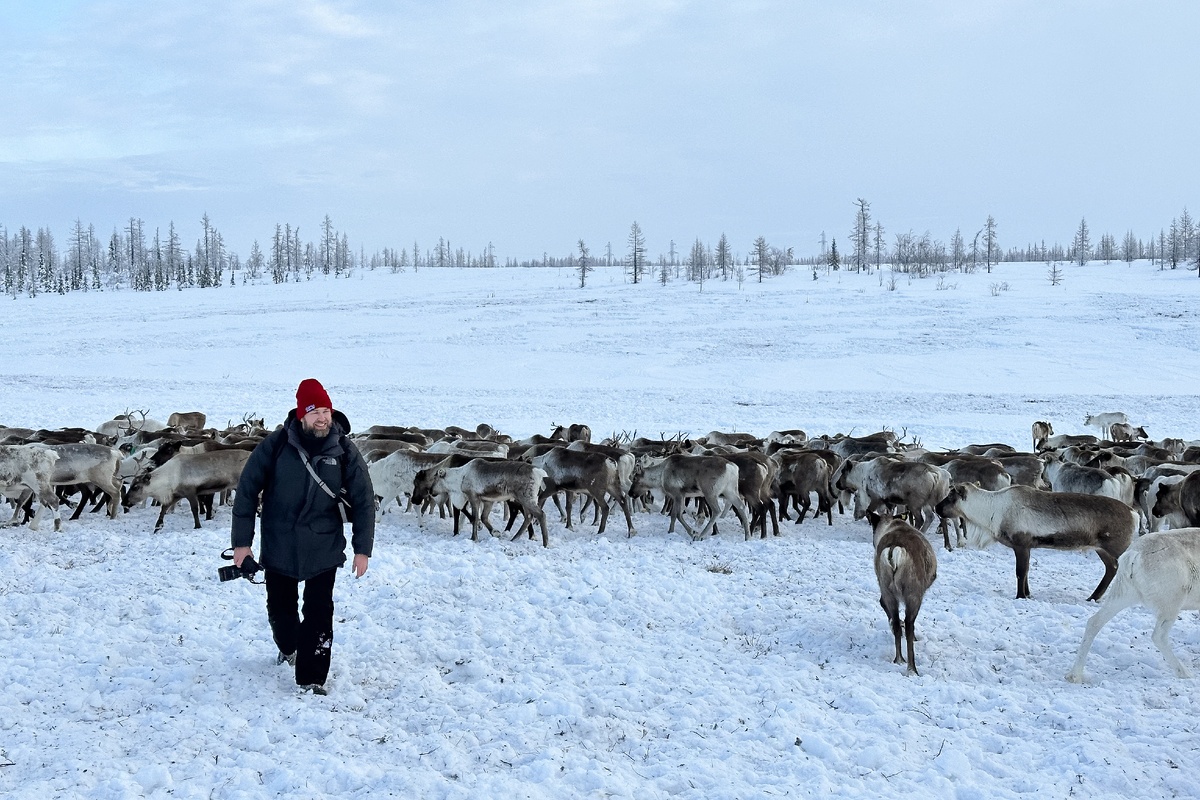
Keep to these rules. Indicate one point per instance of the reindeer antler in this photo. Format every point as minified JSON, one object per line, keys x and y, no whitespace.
{"x":129,"y":429}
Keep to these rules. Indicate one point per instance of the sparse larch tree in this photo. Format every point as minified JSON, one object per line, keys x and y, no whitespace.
{"x":637,"y":252}
{"x":1054,"y":272}
{"x":762,"y":257}
{"x":1081,"y":245}
{"x":1187,"y":236}
{"x":329,"y":242}
{"x":1129,"y":248}
{"x":697,"y":263}
{"x":1173,"y":249}
{"x":958,"y":250}
{"x":279,"y":259}
{"x":584,"y":264}
{"x":80,"y":249}
{"x":880,"y":245}
{"x":990,"y":243}
{"x":254,"y":264}
{"x":1108,"y":247}
{"x":174,"y":257}
{"x":723,"y":258}
{"x":860,"y":237}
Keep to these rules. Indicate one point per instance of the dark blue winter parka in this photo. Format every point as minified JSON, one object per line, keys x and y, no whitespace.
{"x":301,"y":526}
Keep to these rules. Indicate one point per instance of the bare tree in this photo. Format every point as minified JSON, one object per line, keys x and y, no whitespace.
{"x":723,"y":259}
{"x":1054,"y":272}
{"x":637,"y":252}
{"x":1172,"y":251}
{"x":781,"y":260}
{"x":328,"y":245}
{"x":1188,"y":238}
{"x":880,"y":245}
{"x":254,"y":264}
{"x":905,"y":253}
{"x":762,"y":257}
{"x":1081,"y":245}
{"x":1129,"y":248}
{"x":989,"y":239}
{"x":860,"y":237}
{"x":697,"y":263}
{"x":1108,"y":247}
{"x":958,"y":250}
{"x":584,"y":264}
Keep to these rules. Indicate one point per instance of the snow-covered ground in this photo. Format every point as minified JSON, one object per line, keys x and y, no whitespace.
{"x":603,"y":666}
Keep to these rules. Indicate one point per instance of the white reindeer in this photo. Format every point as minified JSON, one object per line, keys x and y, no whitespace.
{"x":1158,"y":571}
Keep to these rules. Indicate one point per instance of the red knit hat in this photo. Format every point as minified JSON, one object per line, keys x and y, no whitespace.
{"x":310,"y":395}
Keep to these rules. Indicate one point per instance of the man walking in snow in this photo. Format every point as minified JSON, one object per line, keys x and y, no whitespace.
{"x":300,"y":470}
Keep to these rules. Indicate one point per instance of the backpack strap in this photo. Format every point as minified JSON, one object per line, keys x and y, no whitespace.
{"x":276,"y":449}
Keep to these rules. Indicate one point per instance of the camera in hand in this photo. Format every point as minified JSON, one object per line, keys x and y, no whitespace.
{"x":247,"y":570}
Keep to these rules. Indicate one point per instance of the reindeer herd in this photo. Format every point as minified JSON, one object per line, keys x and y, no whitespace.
{"x":1080,"y":492}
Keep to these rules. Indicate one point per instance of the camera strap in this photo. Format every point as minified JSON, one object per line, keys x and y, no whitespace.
{"x":227,"y":554}
{"x":341,"y":501}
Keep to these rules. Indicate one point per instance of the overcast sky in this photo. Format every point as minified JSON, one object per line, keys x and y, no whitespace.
{"x":533,"y":123}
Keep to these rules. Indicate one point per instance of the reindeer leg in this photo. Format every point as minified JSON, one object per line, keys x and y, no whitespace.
{"x":1098,"y":620}
{"x":25,"y":506}
{"x":84,"y":499}
{"x":114,"y":500}
{"x":512,"y":520}
{"x":473,"y":505}
{"x":713,"y":504}
{"x":1110,"y":571}
{"x":1162,"y":628}
{"x":558,"y":505}
{"x":912,"y":607}
{"x":570,"y":498}
{"x":891,"y":607}
{"x":602,"y":508}
{"x":1022,"y":557}
{"x":484,"y":508}
{"x":195,"y":503}
{"x":526,"y":524}
{"x":541,"y":518}
{"x":677,"y":514}
{"x":743,"y":514}
{"x":624,"y":503}
{"x":162,"y":515}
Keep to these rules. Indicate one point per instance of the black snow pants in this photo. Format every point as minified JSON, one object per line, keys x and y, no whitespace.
{"x":310,"y":638}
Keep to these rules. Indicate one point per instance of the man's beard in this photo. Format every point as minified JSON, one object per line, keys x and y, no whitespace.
{"x":313,"y":432}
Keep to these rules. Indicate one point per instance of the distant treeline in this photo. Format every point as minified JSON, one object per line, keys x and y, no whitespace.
{"x":131,"y":257}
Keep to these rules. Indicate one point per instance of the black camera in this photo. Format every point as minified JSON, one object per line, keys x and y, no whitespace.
{"x":247,"y":570}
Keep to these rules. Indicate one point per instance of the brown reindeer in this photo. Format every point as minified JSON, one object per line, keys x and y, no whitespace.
{"x":1023,"y":518}
{"x":906,"y":567}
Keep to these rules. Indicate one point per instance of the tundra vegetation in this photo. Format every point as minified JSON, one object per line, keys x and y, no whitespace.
{"x":143,"y":257}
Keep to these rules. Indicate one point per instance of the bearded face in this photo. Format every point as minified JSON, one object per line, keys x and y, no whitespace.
{"x":318,"y":422}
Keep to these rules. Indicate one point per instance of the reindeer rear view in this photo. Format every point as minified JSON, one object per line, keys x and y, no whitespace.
{"x":906,"y":567}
